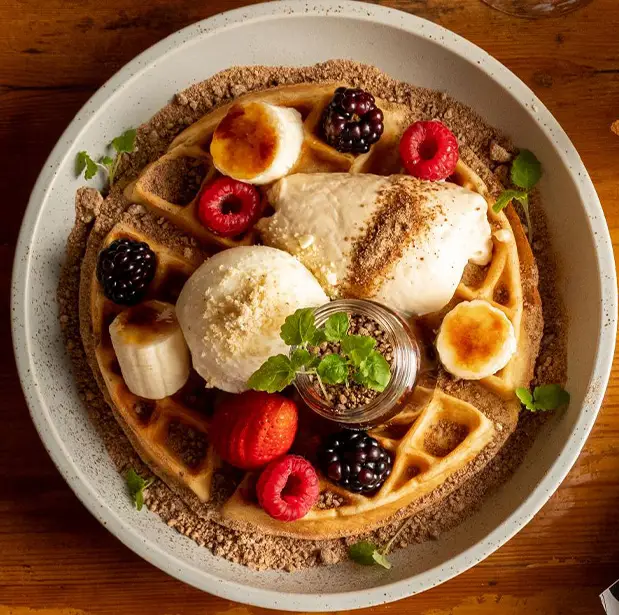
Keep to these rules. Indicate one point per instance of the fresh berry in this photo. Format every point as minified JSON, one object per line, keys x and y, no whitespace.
{"x":125,"y":269}
{"x":288,"y":488}
{"x":253,"y":428}
{"x":355,"y":461}
{"x":429,"y":150}
{"x":228,"y":207}
{"x":352,"y":122}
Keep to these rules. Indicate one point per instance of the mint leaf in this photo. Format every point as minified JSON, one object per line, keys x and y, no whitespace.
{"x":299,"y":358}
{"x":299,"y":327}
{"x":357,"y":347}
{"x":505,"y":197}
{"x":381,"y":560}
{"x":545,"y":397}
{"x":137,"y":485}
{"x":106,"y":161}
{"x":318,"y":338}
{"x":125,"y":144}
{"x":550,"y":397}
{"x":374,"y":372}
{"x":367,"y":554}
{"x":313,"y":362}
{"x":85,"y":163}
{"x":526,"y":170}
{"x":524,"y":395}
{"x":274,"y":375}
{"x":333,"y":369}
{"x":336,"y":326}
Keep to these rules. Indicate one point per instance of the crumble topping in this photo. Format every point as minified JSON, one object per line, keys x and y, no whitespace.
{"x":232,"y":317}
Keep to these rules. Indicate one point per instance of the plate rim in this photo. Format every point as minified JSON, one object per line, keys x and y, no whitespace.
{"x":521,"y":515}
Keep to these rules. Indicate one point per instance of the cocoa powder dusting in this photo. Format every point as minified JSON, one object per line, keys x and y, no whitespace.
{"x":484,"y":149}
{"x":400,"y":219}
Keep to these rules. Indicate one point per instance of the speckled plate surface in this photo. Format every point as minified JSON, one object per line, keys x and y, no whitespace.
{"x":300,"y":33}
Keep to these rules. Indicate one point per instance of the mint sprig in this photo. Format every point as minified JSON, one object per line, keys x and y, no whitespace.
{"x":85,"y":163}
{"x":124,"y":144}
{"x":357,"y":357}
{"x":299,"y":328}
{"x":525,"y":172}
{"x":137,"y":485}
{"x":333,"y":369}
{"x":545,"y":397}
{"x":275,"y":374}
{"x":367,"y":553}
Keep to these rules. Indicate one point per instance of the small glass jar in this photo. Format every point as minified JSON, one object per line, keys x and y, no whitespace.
{"x":404,"y":368}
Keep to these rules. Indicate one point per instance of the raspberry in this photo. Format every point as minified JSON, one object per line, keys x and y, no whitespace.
{"x":125,"y":269}
{"x":228,"y":207}
{"x":287,"y":488}
{"x":429,"y":150}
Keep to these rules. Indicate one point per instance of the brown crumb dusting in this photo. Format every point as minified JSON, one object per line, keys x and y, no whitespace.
{"x":462,"y":493}
{"x":474,"y":275}
{"x":328,"y":500}
{"x":400,"y":219}
{"x":176,"y":180}
{"x":187,"y":443}
{"x":443,"y":437}
{"x":499,"y":153}
{"x":615,"y":127}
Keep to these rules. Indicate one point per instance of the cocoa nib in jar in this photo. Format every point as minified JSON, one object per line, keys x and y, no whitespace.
{"x":353,"y":395}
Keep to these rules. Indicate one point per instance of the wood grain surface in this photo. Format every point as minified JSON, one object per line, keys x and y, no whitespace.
{"x":54,"y":557}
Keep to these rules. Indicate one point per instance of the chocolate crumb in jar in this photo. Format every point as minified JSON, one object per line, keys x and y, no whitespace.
{"x":353,"y":395}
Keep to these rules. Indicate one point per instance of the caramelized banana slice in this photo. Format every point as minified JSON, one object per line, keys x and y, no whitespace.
{"x":475,"y":340}
{"x":257,"y":142}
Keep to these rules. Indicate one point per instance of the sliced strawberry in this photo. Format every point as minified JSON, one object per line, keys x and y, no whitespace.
{"x":287,"y":488}
{"x":429,"y":150}
{"x":228,"y":207}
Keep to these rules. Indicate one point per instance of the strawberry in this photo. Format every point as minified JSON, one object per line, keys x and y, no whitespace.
{"x":288,"y":488}
{"x":253,"y":428}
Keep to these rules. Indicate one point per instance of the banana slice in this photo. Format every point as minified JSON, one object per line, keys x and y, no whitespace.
{"x":257,"y":143}
{"x":475,"y":340}
{"x":151,"y":350}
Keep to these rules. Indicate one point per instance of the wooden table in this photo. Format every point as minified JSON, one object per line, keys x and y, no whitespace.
{"x":54,"y":557}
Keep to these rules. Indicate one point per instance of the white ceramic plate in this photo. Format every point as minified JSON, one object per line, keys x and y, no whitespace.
{"x":286,"y":33}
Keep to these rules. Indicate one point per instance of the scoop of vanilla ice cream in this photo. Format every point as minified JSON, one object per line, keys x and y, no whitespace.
{"x":232,"y":308}
{"x":399,"y":240}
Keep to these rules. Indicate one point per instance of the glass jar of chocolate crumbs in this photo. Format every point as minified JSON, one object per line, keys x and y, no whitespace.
{"x":351,"y":403}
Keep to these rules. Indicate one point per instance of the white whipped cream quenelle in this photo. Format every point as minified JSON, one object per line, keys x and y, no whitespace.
{"x":399,"y":240}
{"x":232,"y":308}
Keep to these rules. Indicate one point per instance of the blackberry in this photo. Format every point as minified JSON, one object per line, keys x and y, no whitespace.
{"x":352,"y":122}
{"x":125,"y":269}
{"x":355,"y":461}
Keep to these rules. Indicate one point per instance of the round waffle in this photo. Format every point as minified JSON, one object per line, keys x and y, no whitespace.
{"x":446,"y":425}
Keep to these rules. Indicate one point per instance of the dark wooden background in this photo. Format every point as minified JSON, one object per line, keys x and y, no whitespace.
{"x":54,"y":557}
